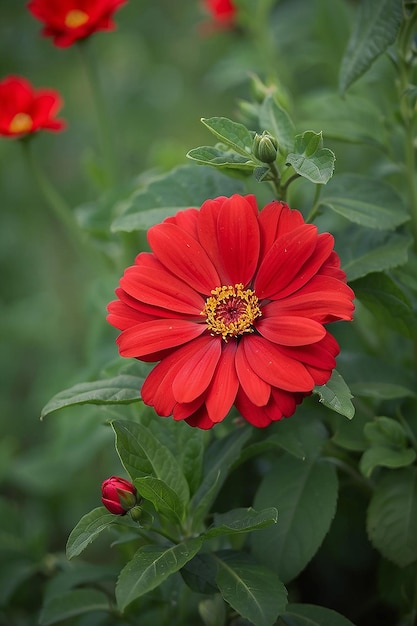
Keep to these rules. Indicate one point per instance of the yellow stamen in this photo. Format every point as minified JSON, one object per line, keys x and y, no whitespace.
{"x":231,"y":311}
{"x":21,"y":123}
{"x":76,"y":18}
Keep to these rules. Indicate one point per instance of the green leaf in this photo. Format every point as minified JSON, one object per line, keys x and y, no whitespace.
{"x":164,"y":499}
{"x":385,"y":430}
{"x":351,"y":119}
{"x":276,"y":120}
{"x":150,"y":566}
{"x":118,"y":390}
{"x":218,"y":459}
{"x":221,"y":158}
{"x":366,"y":201}
{"x":288,"y":546}
{"x":370,"y":375}
{"x":233,"y":134}
{"x":310,"y":159}
{"x":183,"y":187}
{"x":377,"y":258}
{"x":335,"y":394}
{"x":72,"y":603}
{"x":388,"y":446}
{"x":241,"y":521}
{"x":349,"y":434}
{"x":200,"y":573}
{"x":302,"y":439}
{"x":79,"y":574}
{"x":382,"y":391}
{"x":311,"y":615}
{"x":376,"y":27}
{"x":260,"y":172}
{"x":385,"y":456}
{"x":253,"y":591}
{"x":392,"y":516}
{"x":387,"y":302}
{"x":185,"y":443}
{"x":18,"y":570}
{"x":89,"y":528}
{"x":143,"y":455}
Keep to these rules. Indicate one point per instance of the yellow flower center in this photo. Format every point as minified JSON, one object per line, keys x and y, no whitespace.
{"x":231,"y":311}
{"x":21,"y":123}
{"x":75,"y":18}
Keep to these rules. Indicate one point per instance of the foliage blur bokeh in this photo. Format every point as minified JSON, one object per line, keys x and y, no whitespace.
{"x":160,"y":73}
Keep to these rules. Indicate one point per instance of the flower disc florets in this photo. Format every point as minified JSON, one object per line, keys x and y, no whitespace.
{"x":231,"y":311}
{"x":232,"y":303}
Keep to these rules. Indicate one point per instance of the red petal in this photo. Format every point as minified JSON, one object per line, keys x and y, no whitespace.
{"x":200,"y":419}
{"x":238,"y":238}
{"x":257,"y":390}
{"x":207,"y":234}
{"x":324,"y":299}
{"x":324,"y":247}
{"x":122,"y":316}
{"x":154,"y":336}
{"x":274,"y":366}
{"x":160,"y":288}
{"x":183,"y":255}
{"x":321,"y":354}
{"x":186,"y":220}
{"x":157,"y":388}
{"x":320,"y":376}
{"x":224,"y":384}
{"x":255,"y":415}
{"x":276,"y":219}
{"x":290,"y":331}
{"x":186,"y":409}
{"x":196,"y":374}
{"x":284,"y":260}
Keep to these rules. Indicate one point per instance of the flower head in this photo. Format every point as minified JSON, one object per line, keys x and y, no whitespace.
{"x":232,"y":302}
{"x":25,"y":110}
{"x":118,"y":495}
{"x":222,"y":12}
{"x":66,"y":21}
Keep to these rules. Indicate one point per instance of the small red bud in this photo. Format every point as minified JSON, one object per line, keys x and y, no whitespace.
{"x":118,"y":495}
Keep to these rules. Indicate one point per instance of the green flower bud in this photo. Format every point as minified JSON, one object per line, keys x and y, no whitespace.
{"x":265,"y":147}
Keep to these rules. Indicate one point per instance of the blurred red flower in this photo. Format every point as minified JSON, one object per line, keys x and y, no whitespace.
{"x":25,"y":110}
{"x":66,"y":21}
{"x":232,"y":302}
{"x":223,"y":12}
{"x":118,"y":495}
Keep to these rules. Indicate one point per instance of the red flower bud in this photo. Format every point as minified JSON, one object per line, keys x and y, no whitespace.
{"x":118,"y":495}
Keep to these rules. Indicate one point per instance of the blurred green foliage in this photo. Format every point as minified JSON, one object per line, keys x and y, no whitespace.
{"x":159,"y":75}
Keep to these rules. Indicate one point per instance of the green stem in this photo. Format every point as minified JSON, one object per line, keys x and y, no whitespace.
{"x":61,"y":209}
{"x":275,"y":180}
{"x":408,"y":430}
{"x":316,"y":204}
{"x":56,"y":203}
{"x":164,"y":534}
{"x":350,"y":471}
{"x":106,"y":139}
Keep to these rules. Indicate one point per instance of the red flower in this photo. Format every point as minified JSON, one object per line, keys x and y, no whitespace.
{"x":24,"y":110}
{"x":223,"y":12}
{"x":232,"y":303}
{"x":66,"y":21}
{"x":118,"y":495}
